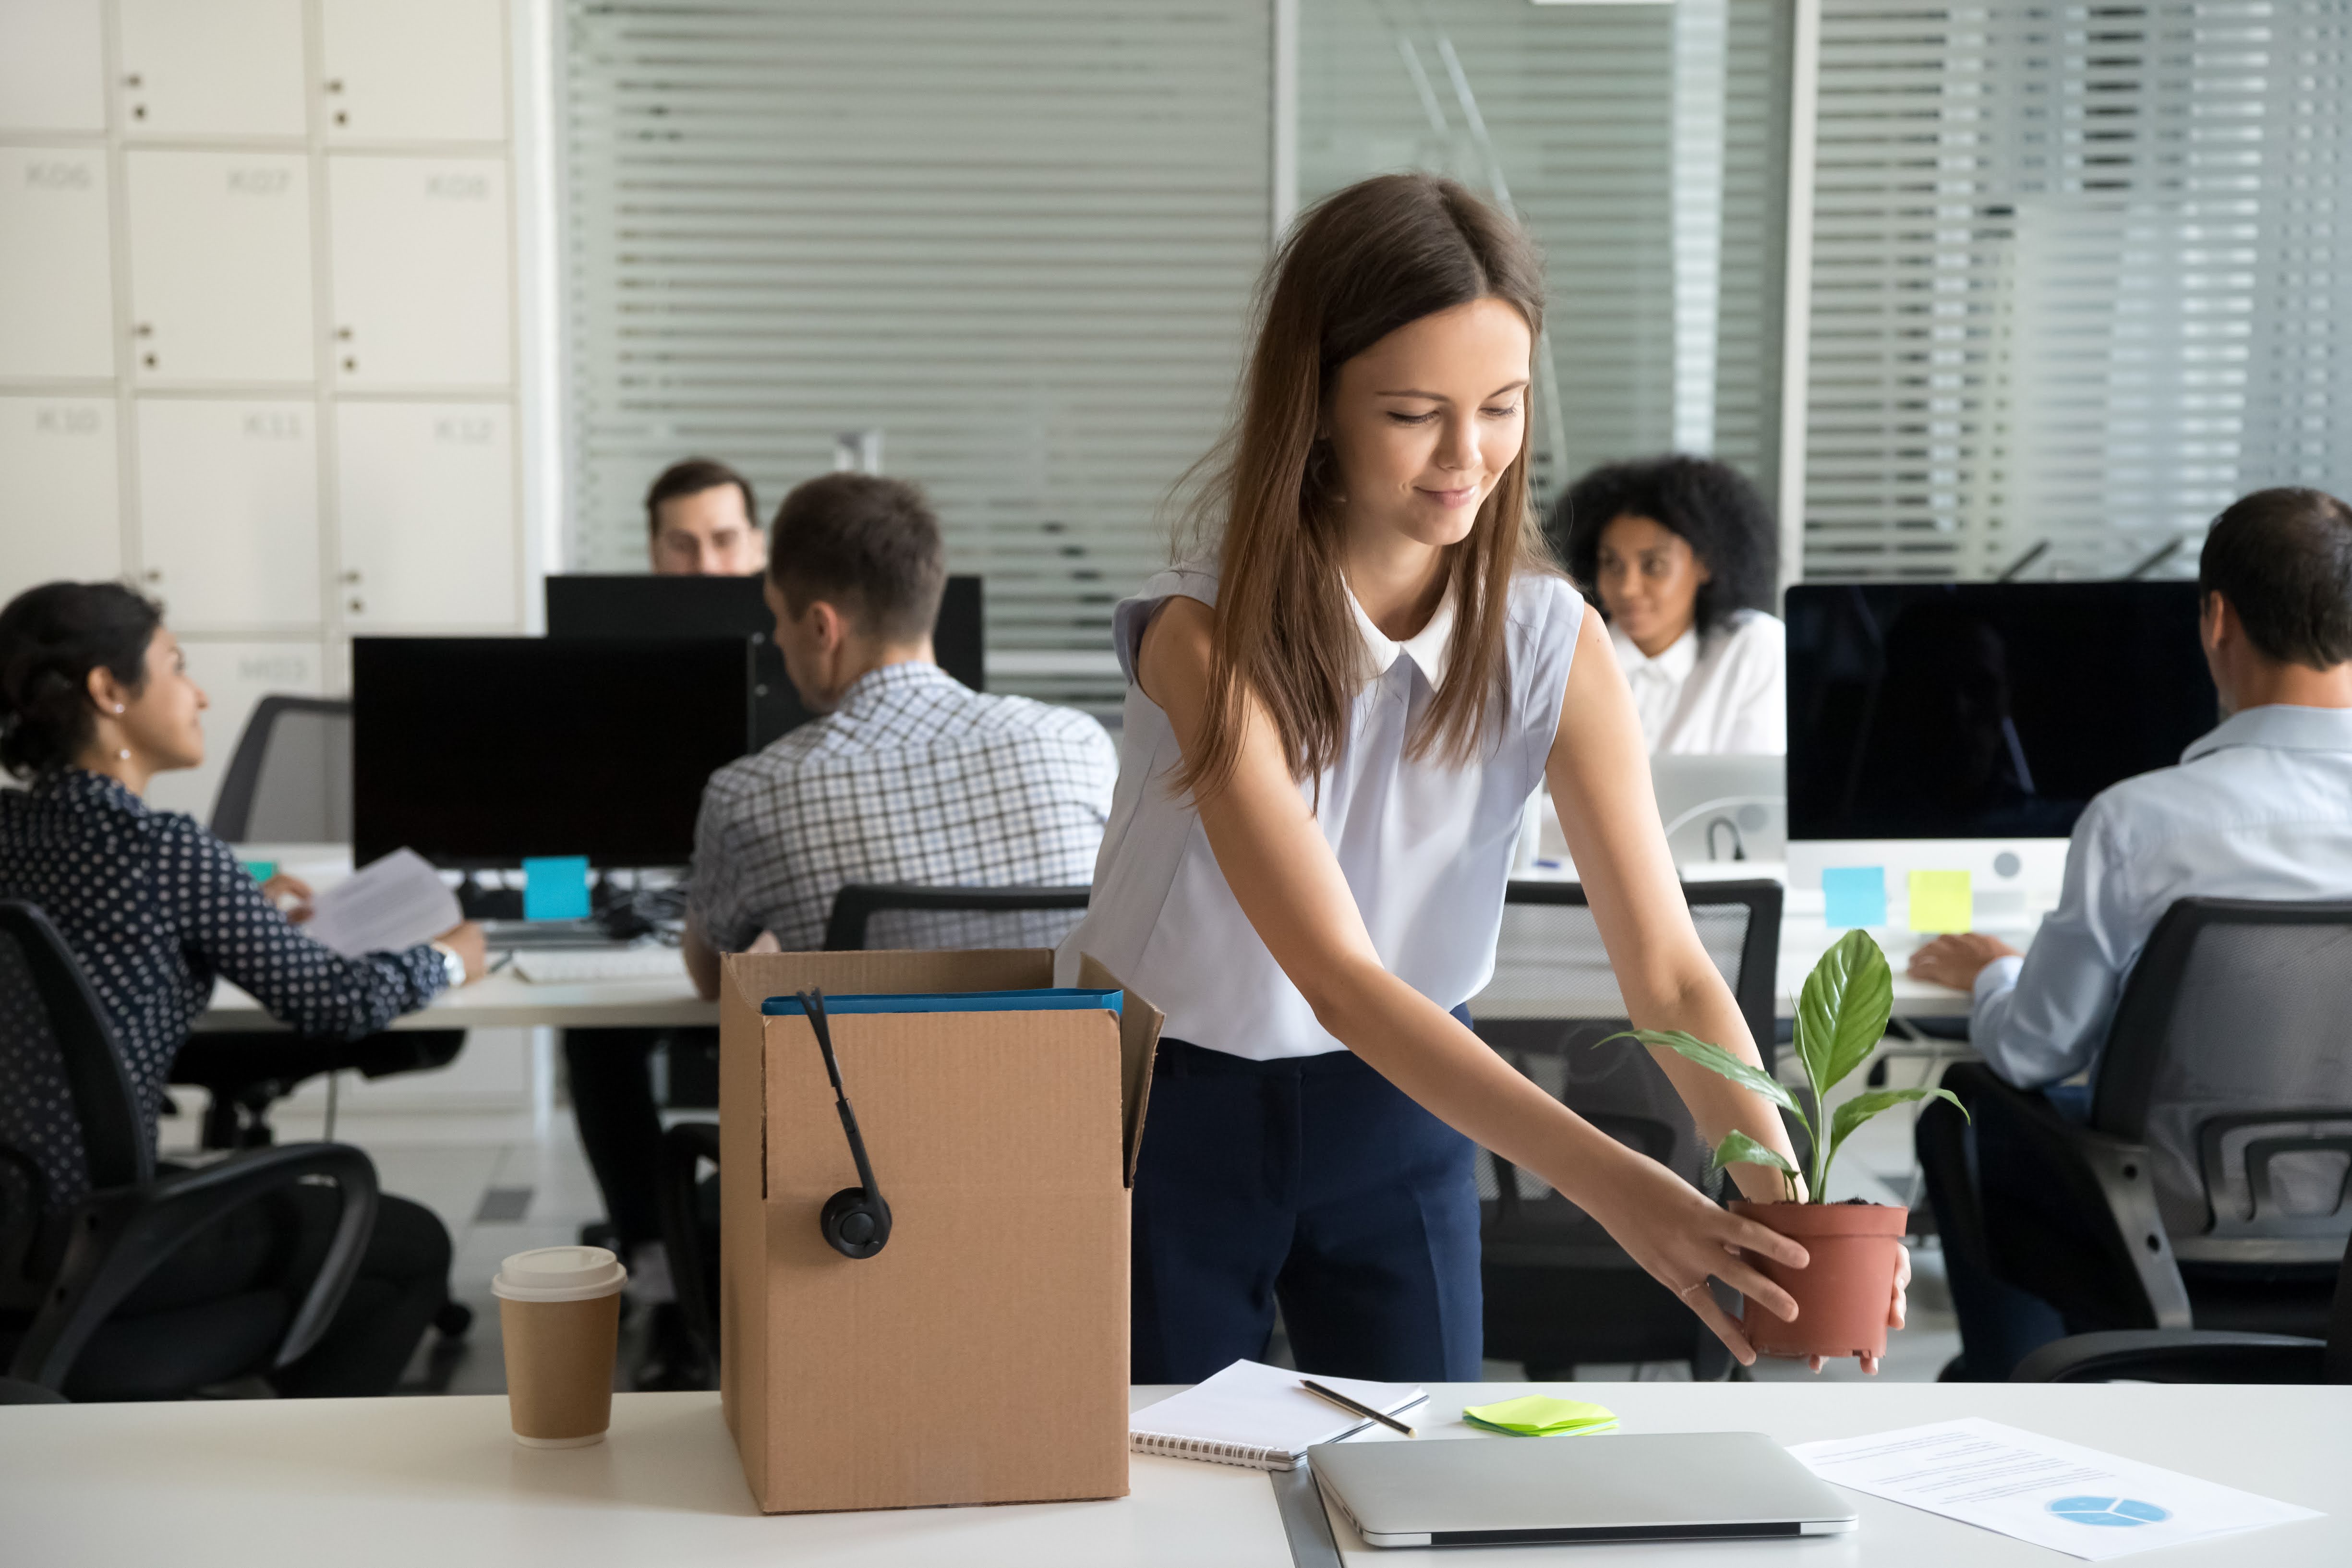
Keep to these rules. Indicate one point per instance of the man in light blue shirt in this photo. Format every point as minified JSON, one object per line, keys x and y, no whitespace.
{"x":2259,"y":808}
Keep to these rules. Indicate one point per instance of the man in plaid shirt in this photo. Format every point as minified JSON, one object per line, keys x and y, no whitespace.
{"x":908,"y":776}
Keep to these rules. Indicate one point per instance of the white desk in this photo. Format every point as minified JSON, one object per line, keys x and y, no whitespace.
{"x":506,"y":1000}
{"x":1535,"y":986}
{"x":402,"y":1482}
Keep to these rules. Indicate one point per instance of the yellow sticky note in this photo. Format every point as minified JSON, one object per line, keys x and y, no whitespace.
{"x":1940,"y":901}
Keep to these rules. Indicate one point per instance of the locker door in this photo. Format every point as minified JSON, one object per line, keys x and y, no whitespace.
{"x":234,"y":676}
{"x":420,"y":277}
{"x":228,"y":512}
{"x":59,"y":511}
{"x":57,"y":290}
{"x":52,"y":66}
{"x":211,"y":68}
{"x":220,"y":267}
{"x":415,"y":70}
{"x":426,"y":494}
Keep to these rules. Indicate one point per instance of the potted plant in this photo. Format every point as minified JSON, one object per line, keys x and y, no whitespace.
{"x":1842,"y":1294}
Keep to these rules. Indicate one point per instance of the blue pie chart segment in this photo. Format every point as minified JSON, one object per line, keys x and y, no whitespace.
{"x":2109,"y":1513}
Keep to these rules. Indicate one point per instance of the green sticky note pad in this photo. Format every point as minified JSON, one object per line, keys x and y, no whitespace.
{"x":260,"y":871}
{"x":1540,"y":1415}
{"x":1940,"y":901}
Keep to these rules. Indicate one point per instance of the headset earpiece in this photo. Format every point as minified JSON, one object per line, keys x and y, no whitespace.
{"x":855,"y":1223}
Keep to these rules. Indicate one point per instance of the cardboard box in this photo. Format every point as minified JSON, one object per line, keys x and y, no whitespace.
{"x":982,"y":1356}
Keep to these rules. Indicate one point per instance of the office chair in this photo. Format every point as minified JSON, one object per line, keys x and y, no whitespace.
{"x":290,"y":782}
{"x":950,"y":917}
{"x":2201,"y":1355}
{"x":67,"y":1260}
{"x":290,"y":779}
{"x":689,"y":1221}
{"x":2210,"y":1188}
{"x":1558,"y":1288}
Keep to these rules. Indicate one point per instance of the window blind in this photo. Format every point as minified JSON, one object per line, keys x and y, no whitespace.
{"x":1017,"y":237}
{"x":2077,"y":279}
{"x":1644,"y":146}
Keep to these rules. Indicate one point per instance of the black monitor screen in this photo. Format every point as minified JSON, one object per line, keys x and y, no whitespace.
{"x":615,"y":605}
{"x":1983,"y":710}
{"x":482,"y":750}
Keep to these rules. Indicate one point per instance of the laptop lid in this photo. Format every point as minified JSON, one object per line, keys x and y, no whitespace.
{"x":1500,"y":1491}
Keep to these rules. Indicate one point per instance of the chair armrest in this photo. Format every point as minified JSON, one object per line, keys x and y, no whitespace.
{"x":123,"y":1234}
{"x":2107,"y":1180}
{"x":2176,"y":1355}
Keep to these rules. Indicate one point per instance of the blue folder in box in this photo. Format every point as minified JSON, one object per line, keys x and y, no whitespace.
{"x":1051,"y":999}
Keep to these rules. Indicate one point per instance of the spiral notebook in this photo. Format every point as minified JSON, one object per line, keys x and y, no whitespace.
{"x":1259,"y":1416}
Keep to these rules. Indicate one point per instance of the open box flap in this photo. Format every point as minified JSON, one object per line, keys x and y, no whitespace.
{"x":754,"y":977}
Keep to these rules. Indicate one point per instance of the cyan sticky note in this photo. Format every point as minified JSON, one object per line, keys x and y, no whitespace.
{"x":260,"y":871}
{"x":555,"y":887}
{"x":1940,"y":901}
{"x":1854,"y":895}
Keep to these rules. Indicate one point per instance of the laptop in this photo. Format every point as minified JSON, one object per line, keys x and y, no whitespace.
{"x":1531,"y":1491}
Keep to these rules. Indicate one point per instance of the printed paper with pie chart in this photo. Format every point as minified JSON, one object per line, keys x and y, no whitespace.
{"x":2056,"y":1494}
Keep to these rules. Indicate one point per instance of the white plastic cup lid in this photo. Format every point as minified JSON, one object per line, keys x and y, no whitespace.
{"x":559,"y":1274}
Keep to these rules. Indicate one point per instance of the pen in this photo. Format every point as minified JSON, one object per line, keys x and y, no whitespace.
{"x":1344,"y":1403}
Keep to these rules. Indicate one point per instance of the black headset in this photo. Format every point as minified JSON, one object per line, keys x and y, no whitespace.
{"x":855,"y":1220}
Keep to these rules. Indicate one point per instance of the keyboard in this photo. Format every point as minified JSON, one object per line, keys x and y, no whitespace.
{"x":573,"y":966}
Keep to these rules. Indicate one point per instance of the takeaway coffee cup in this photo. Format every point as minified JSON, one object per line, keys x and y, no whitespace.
{"x":560,"y":1315}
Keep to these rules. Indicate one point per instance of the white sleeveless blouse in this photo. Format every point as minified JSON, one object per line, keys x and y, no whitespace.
{"x":1425,"y":847}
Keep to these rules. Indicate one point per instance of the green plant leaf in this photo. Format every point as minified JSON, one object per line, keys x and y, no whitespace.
{"x":1715,"y":1058}
{"x":1843,"y":1010}
{"x":1863,"y":1107}
{"x":1738,"y":1149}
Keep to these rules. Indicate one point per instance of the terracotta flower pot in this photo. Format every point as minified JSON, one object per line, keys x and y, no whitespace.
{"x":1843,"y":1293}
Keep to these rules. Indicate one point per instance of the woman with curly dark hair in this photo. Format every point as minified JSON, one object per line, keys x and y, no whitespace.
{"x":1677,"y":553}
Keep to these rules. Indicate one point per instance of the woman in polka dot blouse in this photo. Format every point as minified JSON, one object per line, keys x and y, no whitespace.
{"x":95,"y":700}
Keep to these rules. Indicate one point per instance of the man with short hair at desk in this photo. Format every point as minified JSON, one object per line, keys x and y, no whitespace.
{"x":699,"y":521}
{"x":2259,"y":808}
{"x":908,"y":776}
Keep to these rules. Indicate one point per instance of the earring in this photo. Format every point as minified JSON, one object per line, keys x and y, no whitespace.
{"x":124,"y":754}
{"x":118,"y":708}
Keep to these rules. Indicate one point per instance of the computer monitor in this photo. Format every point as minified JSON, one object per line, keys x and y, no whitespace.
{"x":617,"y":606}
{"x":1978,"y":717}
{"x":480,"y":751}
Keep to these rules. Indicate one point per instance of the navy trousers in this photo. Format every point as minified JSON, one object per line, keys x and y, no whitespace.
{"x":2000,"y":1324}
{"x":1316,"y":1183}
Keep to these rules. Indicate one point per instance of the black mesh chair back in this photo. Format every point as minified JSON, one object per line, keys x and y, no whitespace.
{"x":2231,"y":1058}
{"x":69,"y":1117}
{"x":898,"y":917}
{"x":1559,"y":1291}
{"x":289,"y":781}
{"x":84,"y":1215}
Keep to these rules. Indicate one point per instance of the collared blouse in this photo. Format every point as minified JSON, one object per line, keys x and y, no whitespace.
{"x":1721,"y":694}
{"x":1426,"y":845}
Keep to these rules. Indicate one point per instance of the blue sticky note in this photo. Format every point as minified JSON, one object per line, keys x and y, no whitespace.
{"x":1854,"y":895}
{"x":555,"y":887}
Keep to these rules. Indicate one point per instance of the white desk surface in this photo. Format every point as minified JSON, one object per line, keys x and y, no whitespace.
{"x":506,"y":1000}
{"x":440,"y":1481}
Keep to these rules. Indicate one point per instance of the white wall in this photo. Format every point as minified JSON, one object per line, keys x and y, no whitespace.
{"x":260,"y":325}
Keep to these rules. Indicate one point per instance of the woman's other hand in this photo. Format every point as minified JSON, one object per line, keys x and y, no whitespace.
{"x":467,"y":942}
{"x":289,"y":894}
{"x":1682,"y":1239}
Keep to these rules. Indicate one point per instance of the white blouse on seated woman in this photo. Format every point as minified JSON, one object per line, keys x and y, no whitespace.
{"x":1712,"y":693}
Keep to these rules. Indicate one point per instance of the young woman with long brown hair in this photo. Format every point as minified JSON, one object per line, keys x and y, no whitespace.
{"x":1331,"y":731}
